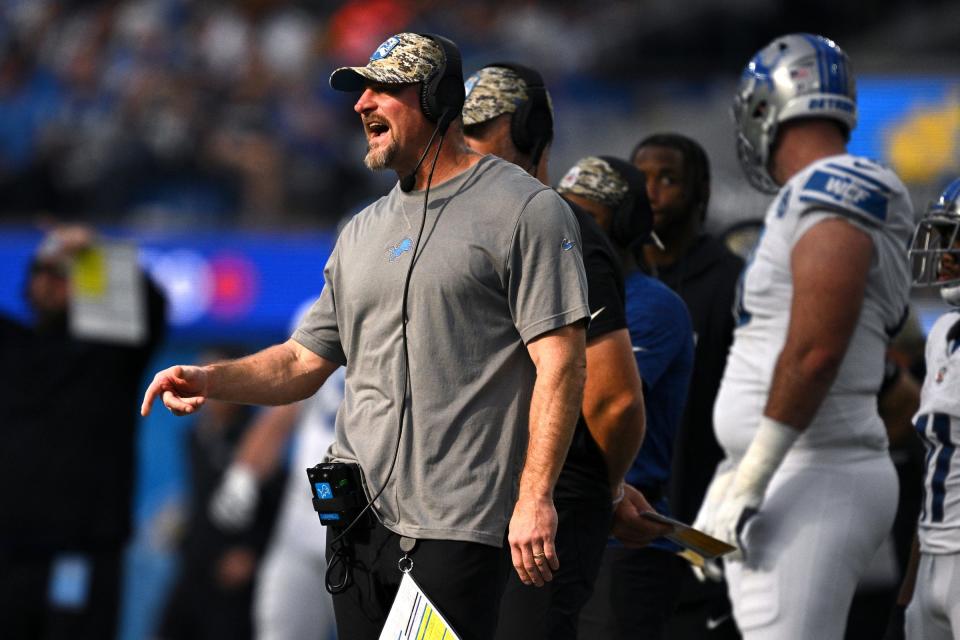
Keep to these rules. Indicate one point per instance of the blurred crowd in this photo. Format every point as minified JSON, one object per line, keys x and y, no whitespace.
{"x":178,"y":113}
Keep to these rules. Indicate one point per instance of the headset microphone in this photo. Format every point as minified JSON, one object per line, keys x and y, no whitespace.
{"x":408,"y":181}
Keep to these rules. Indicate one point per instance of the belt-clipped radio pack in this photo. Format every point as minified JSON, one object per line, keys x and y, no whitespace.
{"x":338,"y":495}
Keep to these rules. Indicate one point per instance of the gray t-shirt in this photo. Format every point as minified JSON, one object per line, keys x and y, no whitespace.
{"x":498,"y":265}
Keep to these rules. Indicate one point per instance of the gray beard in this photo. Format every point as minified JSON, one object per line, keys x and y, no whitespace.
{"x":382,"y":158}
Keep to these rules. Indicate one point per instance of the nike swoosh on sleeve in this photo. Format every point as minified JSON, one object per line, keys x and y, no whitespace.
{"x":713,"y":623}
{"x":593,"y":316}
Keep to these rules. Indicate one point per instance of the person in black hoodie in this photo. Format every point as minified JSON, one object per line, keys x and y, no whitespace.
{"x":704,"y":272}
{"x":67,"y":455}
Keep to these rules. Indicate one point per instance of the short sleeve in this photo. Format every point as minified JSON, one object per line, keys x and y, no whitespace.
{"x":605,"y":292}
{"x":546,"y":281}
{"x":318,"y":330}
{"x":812,"y":217}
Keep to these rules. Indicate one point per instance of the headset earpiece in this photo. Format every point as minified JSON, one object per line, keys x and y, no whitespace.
{"x":531,"y":125}
{"x":442,"y":94}
{"x":633,"y":220}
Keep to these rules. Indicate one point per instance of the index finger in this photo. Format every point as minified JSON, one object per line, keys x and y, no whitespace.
{"x":148,"y":397}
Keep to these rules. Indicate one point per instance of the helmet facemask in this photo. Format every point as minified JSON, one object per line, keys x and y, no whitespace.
{"x":935,"y":254}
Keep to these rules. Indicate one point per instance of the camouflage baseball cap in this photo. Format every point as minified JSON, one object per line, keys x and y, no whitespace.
{"x":594,"y":179}
{"x":491,"y":92}
{"x":402,"y":59}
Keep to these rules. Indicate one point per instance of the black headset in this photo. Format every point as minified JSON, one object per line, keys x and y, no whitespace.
{"x":531,"y":125}
{"x":442,"y":93}
{"x":632,"y":221}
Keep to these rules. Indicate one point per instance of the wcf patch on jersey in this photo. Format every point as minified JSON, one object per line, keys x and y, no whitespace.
{"x":844,"y":190}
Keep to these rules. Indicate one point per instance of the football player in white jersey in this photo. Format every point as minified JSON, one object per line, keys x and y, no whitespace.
{"x":807,"y":490}
{"x":934,"y":610}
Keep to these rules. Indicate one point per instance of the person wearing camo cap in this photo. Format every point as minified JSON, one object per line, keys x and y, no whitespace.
{"x":455,"y":361}
{"x":637,"y":586}
{"x":502,"y":107}
{"x":508,"y":113}
{"x":595,"y":182}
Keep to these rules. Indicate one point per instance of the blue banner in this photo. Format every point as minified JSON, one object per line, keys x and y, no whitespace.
{"x":229,"y":286}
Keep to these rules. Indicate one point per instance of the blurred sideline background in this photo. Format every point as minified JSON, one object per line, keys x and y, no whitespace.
{"x":206,"y":132}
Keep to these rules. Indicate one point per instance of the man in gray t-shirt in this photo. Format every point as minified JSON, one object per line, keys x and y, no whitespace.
{"x":495,"y":303}
{"x":499,"y":265}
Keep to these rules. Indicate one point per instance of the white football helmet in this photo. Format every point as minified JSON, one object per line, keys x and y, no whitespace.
{"x":936,"y":244}
{"x":796,"y":76}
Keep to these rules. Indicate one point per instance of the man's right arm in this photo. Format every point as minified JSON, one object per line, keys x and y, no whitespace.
{"x":613,"y":402}
{"x":280,"y":374}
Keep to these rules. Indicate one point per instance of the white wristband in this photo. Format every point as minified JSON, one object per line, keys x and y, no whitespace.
{"x":617,"y":499}
{"x":765,"y":453}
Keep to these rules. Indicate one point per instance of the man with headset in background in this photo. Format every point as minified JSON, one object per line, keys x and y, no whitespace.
{"x":807,"y":490}
{"x":508,"y":113}
{"x":638,"y":584}
{"x":447,"y":362}
{"x":704,"y":272}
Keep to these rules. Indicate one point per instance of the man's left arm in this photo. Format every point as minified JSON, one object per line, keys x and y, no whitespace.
{"x":830,"y":265}
{"x":557,"y":395}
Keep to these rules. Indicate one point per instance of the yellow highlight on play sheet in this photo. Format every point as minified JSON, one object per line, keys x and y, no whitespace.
{"x":90,"y":273}
{"x":431,"y":626}
{"x":414,"y":617}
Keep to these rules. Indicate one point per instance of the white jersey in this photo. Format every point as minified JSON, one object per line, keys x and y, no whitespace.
{"x":871,"y":197}
{"x":938,"y":423}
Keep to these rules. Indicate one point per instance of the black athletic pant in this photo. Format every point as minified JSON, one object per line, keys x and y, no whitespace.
{"x":703,"y":611}
{"x":28,"y":605}
{"x":199,"y":607}
{"x":551,"y":612}
{"x":635,"y":595}
{"x":463,"y":579}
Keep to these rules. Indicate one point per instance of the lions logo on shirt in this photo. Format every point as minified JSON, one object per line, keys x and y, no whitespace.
{"x":396,"y":251}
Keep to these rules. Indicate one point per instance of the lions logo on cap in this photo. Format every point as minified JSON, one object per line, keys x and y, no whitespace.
{"x":384,"y":49}
{"x":470,"y":84}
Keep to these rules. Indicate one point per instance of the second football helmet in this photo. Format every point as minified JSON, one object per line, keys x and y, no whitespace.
{"x":935,"y":249}
{"x":796,"y":76}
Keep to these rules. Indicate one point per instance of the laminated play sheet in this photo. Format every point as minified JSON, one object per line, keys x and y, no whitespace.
{"x":414,"y":617}
{"x":687,"y":537}
{"x":107,"y":301}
